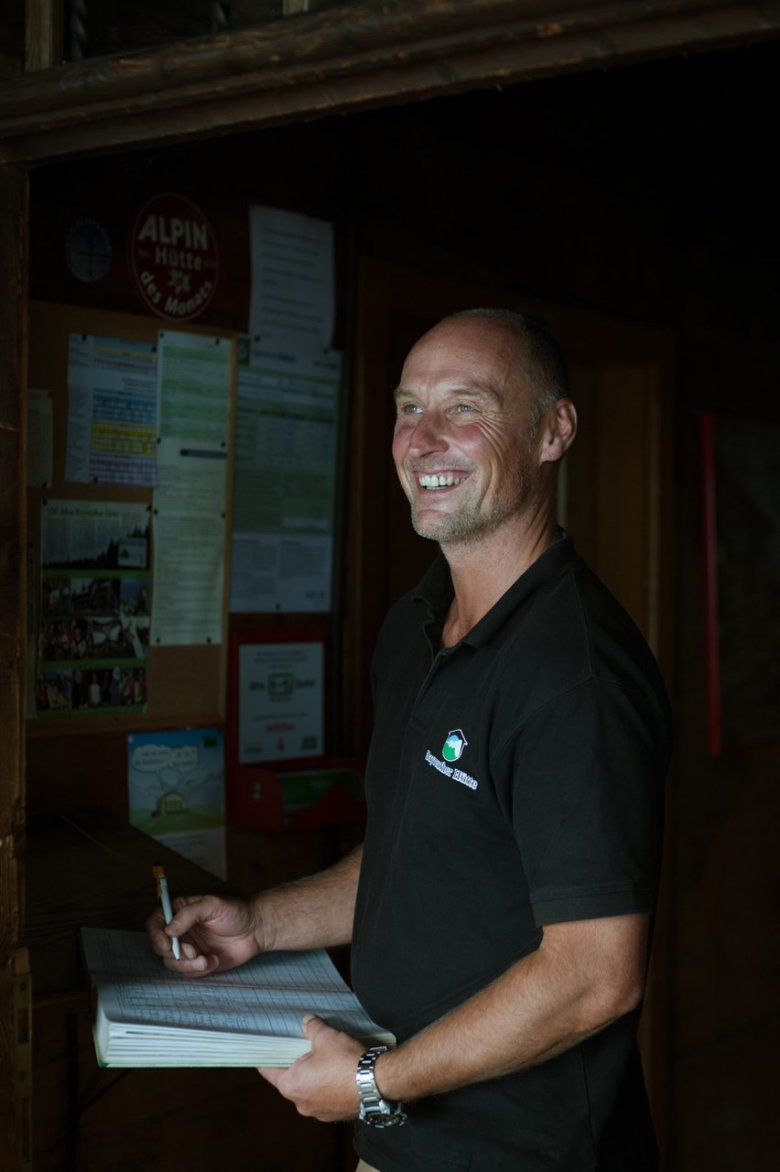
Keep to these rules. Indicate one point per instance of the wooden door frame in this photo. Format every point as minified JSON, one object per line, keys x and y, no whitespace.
{"x":15,"y":1091}
{"x":358,"y":57}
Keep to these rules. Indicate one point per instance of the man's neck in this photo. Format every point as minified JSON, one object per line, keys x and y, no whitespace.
{"x":482,"y":572}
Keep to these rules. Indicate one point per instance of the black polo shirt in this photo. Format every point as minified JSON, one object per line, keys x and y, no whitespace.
{"x":514,"y":780}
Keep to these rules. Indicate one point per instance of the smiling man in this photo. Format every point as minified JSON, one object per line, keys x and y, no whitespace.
{"x":462,"y":425}
{"x":500,"y":907}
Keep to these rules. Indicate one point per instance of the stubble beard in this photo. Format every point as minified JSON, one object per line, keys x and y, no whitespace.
{"x":470,"y":523}
{"x":464,"y":526}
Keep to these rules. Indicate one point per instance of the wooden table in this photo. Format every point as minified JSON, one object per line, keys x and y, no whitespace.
{"x":95,"y":869}
{"x":91,"y":869}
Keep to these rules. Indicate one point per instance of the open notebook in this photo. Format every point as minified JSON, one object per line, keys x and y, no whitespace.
{"x":145,"y":1015}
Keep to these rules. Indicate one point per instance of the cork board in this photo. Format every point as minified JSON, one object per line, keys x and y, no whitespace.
{"x":184,"y":684}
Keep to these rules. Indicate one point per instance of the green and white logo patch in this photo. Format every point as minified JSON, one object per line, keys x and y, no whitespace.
{"x":452,"y":749}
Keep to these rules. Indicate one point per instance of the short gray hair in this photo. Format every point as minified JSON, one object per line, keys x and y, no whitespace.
{"x":545,"y":362}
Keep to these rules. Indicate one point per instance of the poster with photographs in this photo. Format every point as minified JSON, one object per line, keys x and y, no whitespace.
{"x":95,"y":608}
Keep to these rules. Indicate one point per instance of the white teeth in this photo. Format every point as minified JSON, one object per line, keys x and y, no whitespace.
{"x":438,"y":480}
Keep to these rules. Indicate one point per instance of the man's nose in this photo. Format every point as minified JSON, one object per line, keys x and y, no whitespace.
{"x":429,"y":433}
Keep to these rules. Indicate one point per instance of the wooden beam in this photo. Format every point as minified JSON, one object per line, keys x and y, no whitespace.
{"x":345,"y":59}
{"x":11,"y":38}
{"x":43,"y":34}
{"x":14,"y":1137}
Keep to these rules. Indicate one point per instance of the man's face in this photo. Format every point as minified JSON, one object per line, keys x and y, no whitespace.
{"x":463,"y":444}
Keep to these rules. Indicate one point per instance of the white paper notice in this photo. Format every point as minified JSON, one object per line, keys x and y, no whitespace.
{"x":284,"y":481}
{"x":280,"y":701}
{"x":188,"y":577}
{"x":40,"y":445}
{"x":194,"y":376}
{"x":193,"y":381}
{"x":112,"y":411}
{"x":291,"y":304}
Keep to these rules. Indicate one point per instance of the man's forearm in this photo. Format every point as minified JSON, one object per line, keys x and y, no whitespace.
{"x":544,"y":1004}
{"x":315,"y":912}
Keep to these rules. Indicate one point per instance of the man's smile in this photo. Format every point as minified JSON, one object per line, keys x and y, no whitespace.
{"x":433,"y":480}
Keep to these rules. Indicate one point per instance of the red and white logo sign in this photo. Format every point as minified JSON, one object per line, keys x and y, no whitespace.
{"x":174,"y":257}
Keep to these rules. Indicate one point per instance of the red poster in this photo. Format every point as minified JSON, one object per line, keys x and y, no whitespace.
{"x":174,"y":257}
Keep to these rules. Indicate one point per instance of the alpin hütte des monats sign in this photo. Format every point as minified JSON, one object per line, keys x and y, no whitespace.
{"x":174,"y":257}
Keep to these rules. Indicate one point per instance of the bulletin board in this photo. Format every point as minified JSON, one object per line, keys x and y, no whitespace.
{"x":184,"y":684}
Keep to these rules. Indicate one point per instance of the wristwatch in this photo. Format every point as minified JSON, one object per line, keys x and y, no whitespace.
{"x":375,"y":1110}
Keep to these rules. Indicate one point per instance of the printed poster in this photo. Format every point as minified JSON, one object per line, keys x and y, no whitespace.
{"x":95,"y":607}
{"x":280,"y":701}
{"x":195,"y":374}
{"x":284,"y":481}
{"x":112,"y":411}
{"x":292,"y":299}
{"x":177,"y":792}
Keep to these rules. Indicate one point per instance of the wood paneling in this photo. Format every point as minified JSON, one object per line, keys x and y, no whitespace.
{"x":727,"y":1097}
{"x":356,"y":57}
{"x":12,"y":20}
{"x":13,"y":271}
{"x":44,"y":21}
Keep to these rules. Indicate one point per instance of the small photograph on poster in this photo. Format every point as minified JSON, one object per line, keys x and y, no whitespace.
{"x":69,"y":690}
{"x":177,"y":792}
{"x":54,"y":691}
{"x":94,"y":611}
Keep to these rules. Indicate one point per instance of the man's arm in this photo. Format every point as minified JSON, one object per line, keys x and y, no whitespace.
{"x":584,"y":975}
{"x":315,"y":912}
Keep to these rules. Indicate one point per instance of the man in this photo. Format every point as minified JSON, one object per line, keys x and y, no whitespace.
{"x":499,"y":908}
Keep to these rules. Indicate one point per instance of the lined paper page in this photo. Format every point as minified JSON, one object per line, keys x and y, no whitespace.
{"x":268,"y":996}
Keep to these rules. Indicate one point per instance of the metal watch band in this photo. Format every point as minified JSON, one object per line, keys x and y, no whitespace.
{"x":375,"y":1110}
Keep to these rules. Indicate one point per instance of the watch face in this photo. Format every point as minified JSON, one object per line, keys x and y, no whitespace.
{"x":88,"y":250}
{"x":383,"y":1116}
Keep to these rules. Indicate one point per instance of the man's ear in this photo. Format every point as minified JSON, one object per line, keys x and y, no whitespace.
{"x":558,"y":431}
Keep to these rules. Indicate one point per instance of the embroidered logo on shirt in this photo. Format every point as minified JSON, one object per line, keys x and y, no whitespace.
{"x":453,"y":747}
{"x":452,"y":750}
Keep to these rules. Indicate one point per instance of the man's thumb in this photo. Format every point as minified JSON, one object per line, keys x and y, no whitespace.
{"x":308,"y":1026}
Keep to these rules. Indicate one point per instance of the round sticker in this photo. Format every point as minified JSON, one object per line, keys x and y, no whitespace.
{"x":174,"y":257}
{"x":87,"y":250}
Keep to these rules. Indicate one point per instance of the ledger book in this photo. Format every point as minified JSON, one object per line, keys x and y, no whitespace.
{"x":145,"y":1015}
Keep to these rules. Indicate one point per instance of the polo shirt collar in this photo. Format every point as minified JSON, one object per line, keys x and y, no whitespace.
{"x":435,"y":590}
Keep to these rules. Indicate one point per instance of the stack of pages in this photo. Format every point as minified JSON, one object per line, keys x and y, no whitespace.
{"x":145,"y":1015}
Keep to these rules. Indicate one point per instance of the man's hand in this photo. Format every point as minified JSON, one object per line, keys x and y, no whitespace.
{"x":321,"y":1083}
{"x":214,"y":934}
